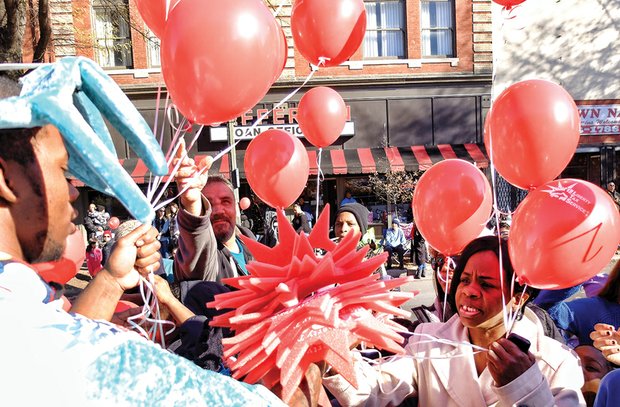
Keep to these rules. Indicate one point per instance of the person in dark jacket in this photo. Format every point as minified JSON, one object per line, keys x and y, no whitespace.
{"x":300,"y":221}
{"x":209,"y":244}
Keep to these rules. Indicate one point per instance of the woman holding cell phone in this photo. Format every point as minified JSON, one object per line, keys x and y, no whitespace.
{"x":468,"y":361}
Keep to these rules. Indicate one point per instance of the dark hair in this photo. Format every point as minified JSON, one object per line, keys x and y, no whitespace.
{"x":611,"y":289}
{"x":481,"y":244}
{"x":218,"y":178}
{"x":437,"y":262}
{"x":16,"y":143}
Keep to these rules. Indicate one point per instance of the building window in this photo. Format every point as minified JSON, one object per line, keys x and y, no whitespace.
{"x":385,"y":29}
{"x":152,"y":46}
{"x":437,"y":22}
{"x":112,"y":33}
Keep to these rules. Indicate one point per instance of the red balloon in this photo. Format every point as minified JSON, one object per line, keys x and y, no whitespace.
{"x":321,"y":114}
{"x":331,"y":29}
{"x":220,"y":58}
{"x":153,"y":12}
{"x":65,"y":268}
{"x":244,"y":203}
{"x":452,"y":202}
{"x":563,"y":233}
{"x":124,"y":305}
{"x":113,"y":222}
{"x":284,"y":46}
{"x":277,"y":168}
{"x":508,"y":4}
{"x":534,"y":130}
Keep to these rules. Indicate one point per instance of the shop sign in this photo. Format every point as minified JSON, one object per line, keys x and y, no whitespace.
{"x":598,"y":120}
{"x":283,"y":119}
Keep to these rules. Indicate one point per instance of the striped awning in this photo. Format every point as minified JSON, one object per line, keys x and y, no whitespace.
{"x":349,"y":161}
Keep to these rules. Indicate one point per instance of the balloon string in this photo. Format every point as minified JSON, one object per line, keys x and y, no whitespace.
{"x":179,"y":132}
{"x":227,"y":149}
{"x":157,"y":205}
{"x":277,"y":12}
{"x":150,"y":307}
{"x":155,"y":129}
{"x":448,"y":280}
{"x":319,"y":178}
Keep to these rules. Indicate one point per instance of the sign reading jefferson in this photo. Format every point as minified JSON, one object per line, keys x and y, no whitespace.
{"x":283,"y":119}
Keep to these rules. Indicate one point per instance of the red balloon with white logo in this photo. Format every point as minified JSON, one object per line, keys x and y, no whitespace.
{"x":277,"y":167}
{"x":563,"y":233}
{"x":328,"y":30}
{"x":65,"y":268}
{"x":322,"y":115}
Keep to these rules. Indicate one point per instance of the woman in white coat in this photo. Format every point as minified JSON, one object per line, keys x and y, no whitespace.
{"x":493,"y":372}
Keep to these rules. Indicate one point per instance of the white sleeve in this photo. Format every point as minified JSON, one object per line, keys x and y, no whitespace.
{"x":386,"y":384}
{"x":532,"y":389}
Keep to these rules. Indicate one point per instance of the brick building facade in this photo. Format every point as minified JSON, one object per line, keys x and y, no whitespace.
{"x":415,"y":99}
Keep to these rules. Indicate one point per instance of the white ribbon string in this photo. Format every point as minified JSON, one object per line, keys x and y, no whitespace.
{"x":319,"y":177}
{"x":155,"y":128}
{"x":227,"y":149}
{"x":150,"y":308}
{"x":174,"y":171}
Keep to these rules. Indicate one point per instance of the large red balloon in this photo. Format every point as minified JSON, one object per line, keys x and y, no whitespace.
{"x":277,"y":168}
{"x":219,"y":58}
{"x":532,"y":132}
{"x":153,"y":12}
{"x":452,"y":202}
{"x":330,"y":29}
{"x":65,"y":268}
{"x":508,"y":4}
{"x":284,"y":46}
{"x":563,"y":233}
{"x":322,"y":115}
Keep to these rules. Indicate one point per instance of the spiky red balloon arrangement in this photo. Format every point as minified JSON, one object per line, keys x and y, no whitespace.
{"x":296,"y":308}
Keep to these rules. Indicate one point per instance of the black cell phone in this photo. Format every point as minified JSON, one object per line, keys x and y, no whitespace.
{"x":520,"y":341}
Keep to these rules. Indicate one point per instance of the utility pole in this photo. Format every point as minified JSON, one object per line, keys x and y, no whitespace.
{"x":234,"y":172}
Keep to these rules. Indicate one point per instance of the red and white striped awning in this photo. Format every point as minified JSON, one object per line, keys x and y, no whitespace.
{"x":350,"y":161}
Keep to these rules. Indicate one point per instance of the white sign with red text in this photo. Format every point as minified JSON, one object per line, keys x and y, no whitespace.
{"x":248,"y":133}
{"x":599,"y":119}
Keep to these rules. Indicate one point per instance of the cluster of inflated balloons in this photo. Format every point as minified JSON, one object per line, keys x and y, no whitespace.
{"x":219,"y":59}
{"x":565,"y":231}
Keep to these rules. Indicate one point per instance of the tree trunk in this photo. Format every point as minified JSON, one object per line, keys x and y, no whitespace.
{"x":12,"y":28}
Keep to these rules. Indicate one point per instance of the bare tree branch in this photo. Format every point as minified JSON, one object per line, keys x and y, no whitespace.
{"x":45,"y":31}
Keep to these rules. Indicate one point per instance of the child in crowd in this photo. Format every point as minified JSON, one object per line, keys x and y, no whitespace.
{"x":94,"y":255}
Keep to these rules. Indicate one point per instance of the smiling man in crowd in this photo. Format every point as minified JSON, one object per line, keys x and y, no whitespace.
{"x":209,"y":244}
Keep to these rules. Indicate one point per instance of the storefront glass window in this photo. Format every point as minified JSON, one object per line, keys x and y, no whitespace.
{"x":112,"y":34}
{"x":385,"y":29}
{"x":437,"y":21}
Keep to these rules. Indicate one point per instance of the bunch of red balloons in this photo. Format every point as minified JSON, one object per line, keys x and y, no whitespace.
{"x":565,"y":231}
{"x":219,"y":59}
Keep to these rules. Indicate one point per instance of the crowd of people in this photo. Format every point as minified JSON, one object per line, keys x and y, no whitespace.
{"x":460,"y":351}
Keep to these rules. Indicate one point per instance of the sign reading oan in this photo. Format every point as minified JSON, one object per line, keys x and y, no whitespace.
{"x":599,"y":120}
{"x":283,"y":119}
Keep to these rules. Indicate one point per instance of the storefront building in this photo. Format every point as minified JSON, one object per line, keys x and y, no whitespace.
{"x":417,"y":89}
